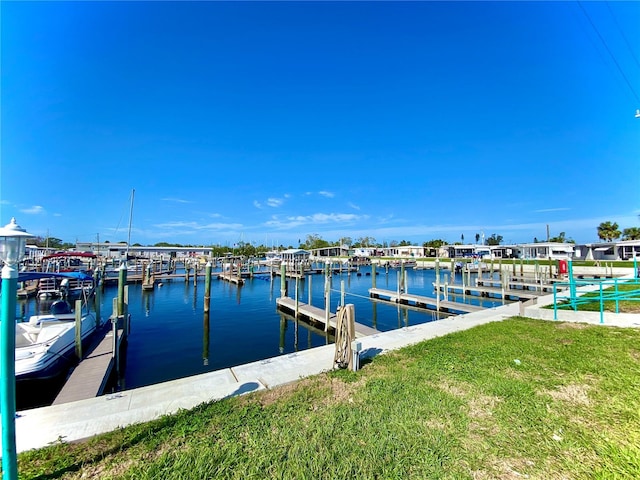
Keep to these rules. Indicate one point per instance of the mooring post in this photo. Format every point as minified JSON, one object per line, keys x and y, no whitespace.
{"x":327,"y":300}
{"x":309,"y":294}
{"x":283,"y":279}
{"x":437,"y":285}
{"x":342,"y":292}
{"x":297,"y":310}
{"x":207,"y":286}
{"x":373,"y":275}
{"x":122,"y":281}
{"x":78,"y":332}
{"x":96,"y":300}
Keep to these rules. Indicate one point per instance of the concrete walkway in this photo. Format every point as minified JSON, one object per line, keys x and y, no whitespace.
{"x":85,"y":418}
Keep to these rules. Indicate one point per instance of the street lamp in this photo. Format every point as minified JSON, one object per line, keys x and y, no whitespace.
{"x":13,"y":239}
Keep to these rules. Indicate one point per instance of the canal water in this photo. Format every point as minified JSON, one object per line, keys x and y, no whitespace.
{"x":171,"y":337}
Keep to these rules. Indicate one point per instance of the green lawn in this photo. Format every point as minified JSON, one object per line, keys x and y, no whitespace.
{"x":520,"y":398}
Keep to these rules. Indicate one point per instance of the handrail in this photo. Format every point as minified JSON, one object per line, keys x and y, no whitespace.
{"x":604,"y":294}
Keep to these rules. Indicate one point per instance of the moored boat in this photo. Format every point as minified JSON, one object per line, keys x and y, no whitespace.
{"x":45,"y":344}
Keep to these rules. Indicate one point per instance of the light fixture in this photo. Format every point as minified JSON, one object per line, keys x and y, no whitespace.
{"x":13,"y":239}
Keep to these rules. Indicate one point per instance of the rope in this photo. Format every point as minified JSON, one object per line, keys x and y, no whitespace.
{"x":343,"y":337}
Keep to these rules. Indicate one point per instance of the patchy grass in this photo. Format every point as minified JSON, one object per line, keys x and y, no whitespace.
{"x":512,"y":399}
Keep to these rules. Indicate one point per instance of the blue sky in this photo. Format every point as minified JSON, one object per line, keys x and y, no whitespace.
{"x":267,"y":122}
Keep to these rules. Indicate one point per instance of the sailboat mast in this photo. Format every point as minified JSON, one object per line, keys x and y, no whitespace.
{"x":133,"y":192}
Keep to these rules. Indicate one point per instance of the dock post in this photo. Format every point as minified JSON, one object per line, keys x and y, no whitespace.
{"x":437,"y":285}
{"x":195,"y":273}
{"x":78,"y":330}
{"x":446,"y":288}
{"x":297,"y":286}
{"x":122,"y":281}
{"x":309,"y":294}
{"x":327,"y":300}
{"x":398,"y":287}
{"x":373,"y":275}
{"x":342,"y":292}
{"x":97,"y":299}
{"x":401,"y":285}
{"x":283,"y":279}
{"x":207,"y":286}
{"x":464,"y":289}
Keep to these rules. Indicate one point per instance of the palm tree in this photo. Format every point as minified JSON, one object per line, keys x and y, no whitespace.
{"x":632,"y":233}
{"x":608,"y":231}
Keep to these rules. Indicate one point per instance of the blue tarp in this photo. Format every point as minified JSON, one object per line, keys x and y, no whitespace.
{"x":26,"y":276}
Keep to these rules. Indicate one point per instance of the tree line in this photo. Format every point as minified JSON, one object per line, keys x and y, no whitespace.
{"x":607,"y":231}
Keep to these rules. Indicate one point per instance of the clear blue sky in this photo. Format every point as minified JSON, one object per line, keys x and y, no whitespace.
{"x":266,"y":122}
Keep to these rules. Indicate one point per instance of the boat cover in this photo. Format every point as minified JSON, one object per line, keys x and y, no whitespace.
{"x":26,"y":276}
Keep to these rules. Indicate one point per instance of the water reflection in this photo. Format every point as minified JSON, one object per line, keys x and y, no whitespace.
{"x":205,"y":339}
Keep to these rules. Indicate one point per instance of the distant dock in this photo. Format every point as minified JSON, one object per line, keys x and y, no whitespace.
{"x":422,"y":302}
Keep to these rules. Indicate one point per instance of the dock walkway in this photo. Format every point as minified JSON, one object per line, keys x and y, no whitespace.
{"x":319,"y":315}
{"x":507,"y":294}
{"x":423,"y":302}
{"x":89,"y":378}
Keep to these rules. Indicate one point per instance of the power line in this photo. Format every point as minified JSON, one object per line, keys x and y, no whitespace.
{"x":623,"y":35}
{"x":610,"y":53}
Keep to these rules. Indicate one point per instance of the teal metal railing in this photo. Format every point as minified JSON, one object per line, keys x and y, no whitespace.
{"x":609,"y":290}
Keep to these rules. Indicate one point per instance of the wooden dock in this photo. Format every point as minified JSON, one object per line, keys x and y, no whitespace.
{"x":480,"y":291}
{"x":423,"y":302}
{"x":231,"y":278}
{"x":319,"y":315}
{"x":521,"y":285}
{"x":90,"y":377}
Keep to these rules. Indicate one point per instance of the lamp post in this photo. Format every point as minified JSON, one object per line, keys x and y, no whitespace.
{"x":13,"y":239}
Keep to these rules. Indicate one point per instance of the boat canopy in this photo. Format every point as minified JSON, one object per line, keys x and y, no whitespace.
{"x":26,"y":276}
{"x":70,"y":254}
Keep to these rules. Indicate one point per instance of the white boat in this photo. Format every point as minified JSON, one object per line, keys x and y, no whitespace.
{"x":45,"y":344}
{"x":271,"y":258}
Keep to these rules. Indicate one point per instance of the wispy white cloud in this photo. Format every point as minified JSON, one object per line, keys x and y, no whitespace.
{"x":275,"y":202}
{"x":35,"y":210}
{"x":354,"y":206}
{"x":324,"y":193}
{"x":559,"y":209}
{"x":176,"y":200}
{"x":315,"y":219}
{"x":257,"y":204}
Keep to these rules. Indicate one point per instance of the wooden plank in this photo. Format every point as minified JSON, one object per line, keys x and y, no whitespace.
{"x":319,"y":315}
{"x":423,"y":302}
{"x":478,"y":291}
{"x":89,"y":377}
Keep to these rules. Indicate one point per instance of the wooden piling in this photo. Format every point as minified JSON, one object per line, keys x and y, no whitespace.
{"x":207,"y":286}
{"x":78,"y":331}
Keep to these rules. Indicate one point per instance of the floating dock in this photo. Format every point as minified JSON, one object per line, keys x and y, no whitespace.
{"x":319,"y":315}
{"x":423,"y":302}
{"x":480,"y":291}
{"x":91,"y":376}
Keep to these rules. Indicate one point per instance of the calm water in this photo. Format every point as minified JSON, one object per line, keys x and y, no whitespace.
{"x":170,"y":337}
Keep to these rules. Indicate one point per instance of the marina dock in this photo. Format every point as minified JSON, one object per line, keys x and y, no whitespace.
{"x":319,"y":315}
{"x":423,"y":302}
{"x":481,"y":291}
{"x":521,"y":283}
{"x":91,"y":376}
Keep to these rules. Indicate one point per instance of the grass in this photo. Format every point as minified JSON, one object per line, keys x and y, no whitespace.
{"x":505,"y":400}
